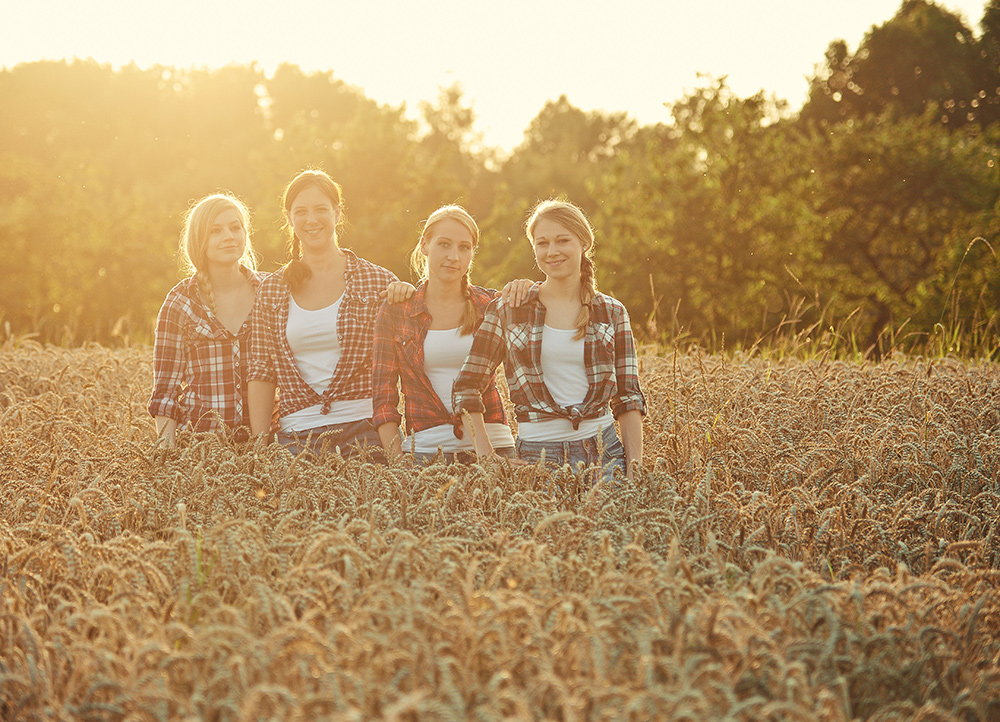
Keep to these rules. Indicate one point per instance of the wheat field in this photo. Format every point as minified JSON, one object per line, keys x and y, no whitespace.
{"x":809,"y":540}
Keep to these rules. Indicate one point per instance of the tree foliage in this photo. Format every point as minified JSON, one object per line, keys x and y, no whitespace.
{"x":877,"y":202}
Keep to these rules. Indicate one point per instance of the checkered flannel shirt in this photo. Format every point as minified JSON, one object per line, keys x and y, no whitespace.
{"x":400,"y":332}
{"x":271,"y":357}
{"x":199,"y":367}
{"x":513,"y":336}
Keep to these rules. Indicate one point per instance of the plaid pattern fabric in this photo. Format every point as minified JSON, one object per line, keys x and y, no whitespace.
{"x":199,"y":367}
{"x":513,"y":336}
{"x":400,"y":332}
{"x":271,"y":357}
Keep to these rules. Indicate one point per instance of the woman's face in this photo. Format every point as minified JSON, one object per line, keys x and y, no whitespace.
{"x":449,"y":250}
{"x":314,"y":218}
{"x":558,"y":251}
{"x":227,"y":239}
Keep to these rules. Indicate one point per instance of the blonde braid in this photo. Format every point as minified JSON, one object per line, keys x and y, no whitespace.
{"x":470,"y":317}
{"x":588,"y":289}
{"x":205,"y":286}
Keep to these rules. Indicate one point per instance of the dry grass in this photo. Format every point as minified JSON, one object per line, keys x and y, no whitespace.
{"x":813,"y":541}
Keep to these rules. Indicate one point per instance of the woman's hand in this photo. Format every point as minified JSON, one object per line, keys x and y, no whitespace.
{"x":516,"y":292}
{"x":398,"y":291}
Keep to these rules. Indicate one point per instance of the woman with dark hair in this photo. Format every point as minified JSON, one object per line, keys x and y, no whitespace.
{"x":312,"y":330}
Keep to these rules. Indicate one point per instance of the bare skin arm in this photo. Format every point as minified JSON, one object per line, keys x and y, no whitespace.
{"x":260,"y":397}
{"x":166,"y":431}
{"x":630,"y":424}
{"x":388,"y":433}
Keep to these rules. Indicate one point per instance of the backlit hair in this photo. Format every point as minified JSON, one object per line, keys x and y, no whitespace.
{"x":418,"y":261}
{"x":295,"y":270}
{"x":573,"y":220}
{"x":194,"y":238}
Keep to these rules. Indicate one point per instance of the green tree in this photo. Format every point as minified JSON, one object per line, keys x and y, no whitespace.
{"x":924,"y":55}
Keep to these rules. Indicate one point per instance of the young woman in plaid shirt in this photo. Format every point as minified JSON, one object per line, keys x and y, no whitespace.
{"x":203,"y":330}
{"x":567,"y":352}
{"x":312,"y":330}
{"x":423,"y":342}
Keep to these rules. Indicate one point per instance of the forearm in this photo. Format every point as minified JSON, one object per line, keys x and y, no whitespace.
{"x":474,"y":427}
{"x":260,"y":400}
{"x":166,"y":430}
{"x":630,"y":425}
{"x":388,"y":434}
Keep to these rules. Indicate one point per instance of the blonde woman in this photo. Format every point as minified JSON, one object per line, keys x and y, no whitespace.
{"x":568,"y":354}
{"x":422,"y":343}
{"x":312,"y":329}
{"x":202,"y":329}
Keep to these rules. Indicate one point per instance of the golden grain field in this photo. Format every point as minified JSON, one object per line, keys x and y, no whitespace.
{"x":809,"y":541}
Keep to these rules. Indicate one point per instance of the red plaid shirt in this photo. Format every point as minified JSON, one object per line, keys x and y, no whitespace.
{"x":271,"y":357}
{"x":199,"y":367}
{"x":400,"y":332}
{"x":513,"y":336}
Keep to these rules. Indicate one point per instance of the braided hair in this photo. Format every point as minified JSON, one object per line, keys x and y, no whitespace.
{"x":572,"y":219}
{"x":295,"y":271}
{"x":418,"y":261}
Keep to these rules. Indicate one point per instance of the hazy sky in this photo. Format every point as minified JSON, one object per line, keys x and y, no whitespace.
{"x":510,"y":56}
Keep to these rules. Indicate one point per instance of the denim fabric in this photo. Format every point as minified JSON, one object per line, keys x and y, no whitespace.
{"x":460,"y":457}
{"x":351,"y":437}
{"x":588,"y":452}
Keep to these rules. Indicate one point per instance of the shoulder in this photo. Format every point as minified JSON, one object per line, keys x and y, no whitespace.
{"x":257,"y":277}
{"x":368,"y":270}
{"x":609,"y":307}
{"x":272,"y":284}
{"x":183,"y":295}
{"x":482,"y":297}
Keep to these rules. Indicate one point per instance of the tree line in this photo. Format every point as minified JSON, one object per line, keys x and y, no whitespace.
{"x":872,"y":208}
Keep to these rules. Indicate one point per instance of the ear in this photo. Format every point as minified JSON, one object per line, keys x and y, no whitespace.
{"x":423,"y":246}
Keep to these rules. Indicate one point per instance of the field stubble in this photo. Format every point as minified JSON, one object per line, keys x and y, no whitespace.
{"x":809,"y":540}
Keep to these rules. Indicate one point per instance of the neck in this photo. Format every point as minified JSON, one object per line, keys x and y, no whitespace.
{"x":226,"y":277}
{"x":327,"y":259}
{"x":565,"y":288}
{"x":438,"y":290}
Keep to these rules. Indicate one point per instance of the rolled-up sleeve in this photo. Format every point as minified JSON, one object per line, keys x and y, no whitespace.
{"x":260,"y":366}
{"x":628,"y":395}
{"x":488,"y":351}
{"x":169,"y":362}
{"x":385,"y":371}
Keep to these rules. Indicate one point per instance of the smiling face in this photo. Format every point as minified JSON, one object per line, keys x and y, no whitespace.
{"x":227,"y":239}
{"x":449,"y":248}
{"x":313,"y":216}
{"x":558,"y":251}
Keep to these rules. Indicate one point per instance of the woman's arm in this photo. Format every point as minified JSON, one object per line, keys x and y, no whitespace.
{"x":260,"y":403}
{"x":630,"y":425}
{"x":166,"y":431}
{"x":388,"y":434}
{"x":261,"y":376}
{"x":488,"y":351}
{"x":169,"y":365}
{"x":474,"y":426}
{"x":385,"y":379}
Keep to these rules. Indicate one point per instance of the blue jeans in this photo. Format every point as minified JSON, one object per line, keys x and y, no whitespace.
{"x":459,"y":457}
{"x":587,"y":451}
{"x":351,"y":437}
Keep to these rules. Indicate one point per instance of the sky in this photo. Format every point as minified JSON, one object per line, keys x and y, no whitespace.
{"x":509,"y":56}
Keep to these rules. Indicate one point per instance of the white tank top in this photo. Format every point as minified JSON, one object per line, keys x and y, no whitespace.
{"x":565,"y":376}
{"x":445,"y":352}
{"x":312,"y":336}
